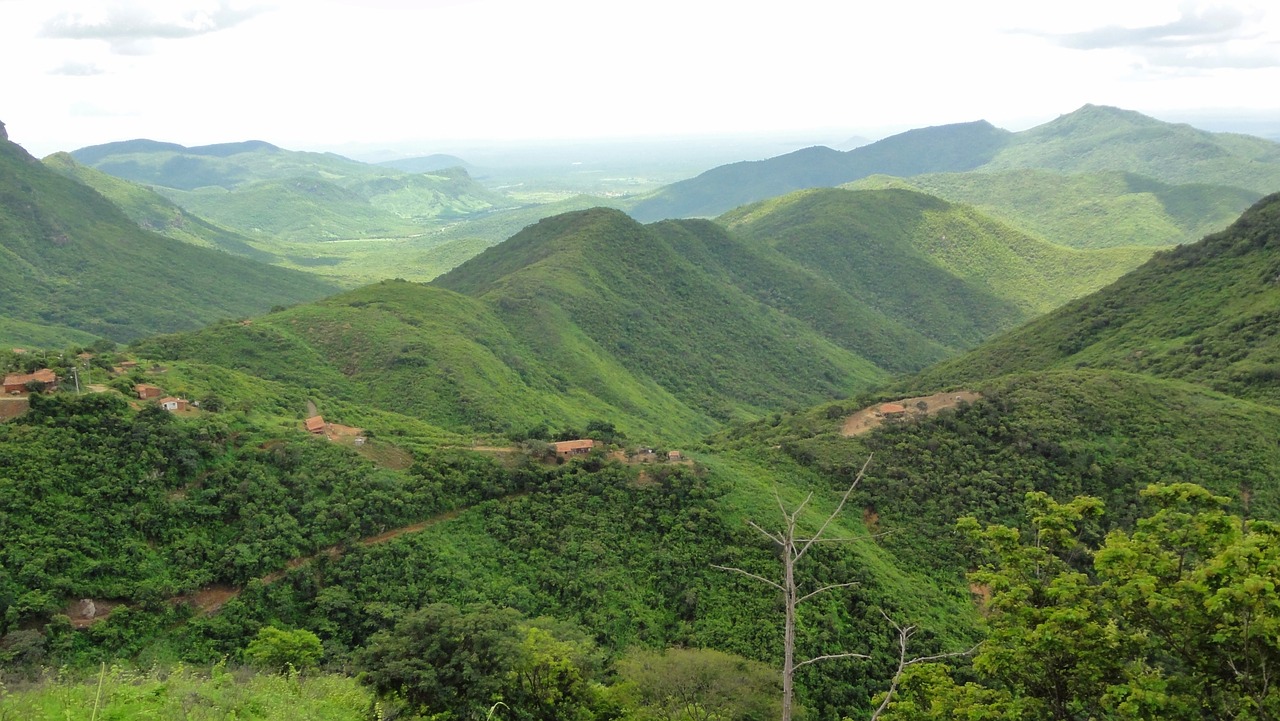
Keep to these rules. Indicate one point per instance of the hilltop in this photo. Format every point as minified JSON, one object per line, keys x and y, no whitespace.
{"x":74,"y":260}
{"x":1090,"y":139}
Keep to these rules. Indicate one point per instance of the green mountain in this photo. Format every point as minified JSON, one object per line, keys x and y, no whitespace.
{"x":1099,"y":138}
{"x":1103,"y":209}
{"x":946,"y":148}
{"x":583,"y":316}
{"x":1203,"y":313}
{"x":946,"y":270}
{"x":427,"y":163}
{"x":152,"y":211}
{"x":266,"y":192}
{"x":1091,"y":139}
{"x":75,"y":261}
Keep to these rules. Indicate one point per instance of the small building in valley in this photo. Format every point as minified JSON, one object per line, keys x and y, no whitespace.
{"x":565,"y":449}
{"x":147,"y":391}
{"x":16,"y":383}
{"x":315,"y":424}
{"x":169,"y":403}
{"x":675,"y":456}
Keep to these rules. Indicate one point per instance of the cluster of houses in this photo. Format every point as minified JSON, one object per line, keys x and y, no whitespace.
{"x":19,"y":383}
{"x":583,"y":446}
{"x":146,"y":392}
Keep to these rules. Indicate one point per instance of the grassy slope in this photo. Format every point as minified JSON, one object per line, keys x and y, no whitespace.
{"x":1103,"y":209}
{"x":425,"y":352}
{"x":152,"y":211}
{"x":1203,"y":312}
{"x":71,"y":258}
{"x":944,"y":270}
{"x":1098,"y":138}
{"x":596,"y":283}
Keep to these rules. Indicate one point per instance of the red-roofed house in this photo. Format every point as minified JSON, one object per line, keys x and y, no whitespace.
{"x":169,"y":403}
{"x":17,"y":382}
{"x":564,"y":449}
{"x":315,"y":424}
{"x":146,"y":391}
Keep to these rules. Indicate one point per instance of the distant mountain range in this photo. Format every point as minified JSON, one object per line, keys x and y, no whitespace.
{"x":1091,"y":139}
{"x":73,"y":260}
{"x":264,"y":192}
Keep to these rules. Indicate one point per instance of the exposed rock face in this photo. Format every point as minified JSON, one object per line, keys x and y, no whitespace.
{"x":88,"y":609}
{"x":4,"y":135}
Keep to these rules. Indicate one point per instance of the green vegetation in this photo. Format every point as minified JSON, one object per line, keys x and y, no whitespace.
{"x":186,"y":694}
{"x":946,"y":148}
{"x":1090,"y":140}
{"x":1175,"y":619}
{"x":886,"y":246}
{"x":153,"y":212}
{"x":73,"y":260}
{"x":266,"y":193}
{"x":1202,"y":313}
{"x":1106,"y":209}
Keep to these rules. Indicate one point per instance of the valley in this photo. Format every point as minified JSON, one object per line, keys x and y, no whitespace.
{"x":304,"y":415}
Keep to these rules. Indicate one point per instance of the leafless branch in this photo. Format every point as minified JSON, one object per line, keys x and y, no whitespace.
{"x":776,"y":539}
{"x":856,"y":480}
{"x":828,"y":657}
{"x":775,"y":584}
{"x":904,"y":635}
{"x":831,"y":587}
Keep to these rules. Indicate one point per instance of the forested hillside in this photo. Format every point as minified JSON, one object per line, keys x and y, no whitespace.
{"x":73,"y":260}
{"x":1105,"y":209}
{"x":1203,"y":312}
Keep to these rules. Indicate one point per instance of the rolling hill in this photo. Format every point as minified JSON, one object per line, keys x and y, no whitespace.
{"x":1103,"y":209}
{"x":152,"y":211}
{"x":946,"y":148}
{"x":266,"y":192}
{"x":1204,"y":312}
{"x":885,"y":247}
{"x":73,"y":260}
{"x":1091,"y":139}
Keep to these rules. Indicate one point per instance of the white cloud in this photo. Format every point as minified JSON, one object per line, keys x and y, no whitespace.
{"x":130,"y":28}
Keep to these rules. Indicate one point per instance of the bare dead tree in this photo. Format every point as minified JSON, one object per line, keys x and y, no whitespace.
{"x":792,"y":549}
{"x":904,"y":637}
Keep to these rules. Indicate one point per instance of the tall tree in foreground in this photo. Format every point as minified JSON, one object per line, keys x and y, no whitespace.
{"x":792,"y":546}
{"x":1177,"y":619}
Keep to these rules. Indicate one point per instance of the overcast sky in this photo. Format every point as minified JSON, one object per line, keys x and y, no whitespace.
{"x":324,"y":73}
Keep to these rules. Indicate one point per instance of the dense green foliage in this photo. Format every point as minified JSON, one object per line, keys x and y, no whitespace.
{"x":1091,"y":139}
{"x":1104,"y":209}
{"x":172,"y":506}
{"x":1176,"y":619}
{"x":185,"y":694}
{"x":1203,"y":312}
{"x":1105,"y":434}
{"x":74,"y":260}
